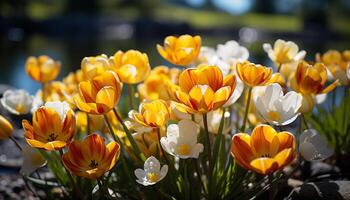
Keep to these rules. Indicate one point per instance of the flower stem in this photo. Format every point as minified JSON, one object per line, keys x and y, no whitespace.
{"x":304,"y":121}
{"x":131,"y":96}
{"x":161,"y":148}
{"x":279,"y":66}
{"x":130,"y":137}
{"x":272,"y":191}
{"x":247,"y":108}
{"x":16,"y":143}
{"x":70,"y":177}
{"x":210,"y":168}
{"x":111,"y":131}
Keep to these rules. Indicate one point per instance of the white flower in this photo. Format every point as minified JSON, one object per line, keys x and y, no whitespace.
{"x":226,"y":56}
{"x":152,"y":173}
{"x":37,"y":102}
{"x":17,"y":102}
{"x":205,"y":54}
{"x":284,"y":52}
{"x":313,"y":147}
{"x":348,"y":71}
{"x":32,"y":160}
{"x":231,"y":52}
{"x":236,"y":93}
{"x":181,"y":140}
{"x":60,"y":107}
{"x":277,"y":108}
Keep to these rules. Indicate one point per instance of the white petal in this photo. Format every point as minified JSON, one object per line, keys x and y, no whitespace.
{"x":60,"y":107}
{"x":300,"y":55}
{"x":196,"y":150}
{"x":32,"y":160}
{"x":188,"y":131}
{"x":236,"y":93}
{"x":152,"y":165}
{"x":163,"y":172}
{"x":140,"y":174}
{"x":320,"y":98}
{"x":348,"y":71}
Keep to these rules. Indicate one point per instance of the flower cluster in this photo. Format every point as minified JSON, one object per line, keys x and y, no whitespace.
{"x":189,"y":133}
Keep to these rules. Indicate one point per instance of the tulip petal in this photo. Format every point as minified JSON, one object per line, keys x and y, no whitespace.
{"x":241,"y":149}
{"x":264,"y":165}
{"x":105,"y":99}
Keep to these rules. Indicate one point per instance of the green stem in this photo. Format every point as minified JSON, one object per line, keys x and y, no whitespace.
{"x":139,"y":154}
{"x":131,"y":96}
{"x":247,"y":108}
{"x":111,"y":131}
{"x":199,"y":174}
{"x":70,"y":177}
{"x":210,"y":168}
{"x":272,"y":191}
{"x":16,"y":143}
{"x":305,"y":122}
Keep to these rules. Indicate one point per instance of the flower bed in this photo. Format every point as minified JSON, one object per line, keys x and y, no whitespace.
{"x":215,"y":126}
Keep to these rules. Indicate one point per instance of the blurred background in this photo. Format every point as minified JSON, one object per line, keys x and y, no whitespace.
{"x":68,"y":30}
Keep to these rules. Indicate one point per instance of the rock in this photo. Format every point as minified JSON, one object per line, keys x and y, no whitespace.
{"x":335,"y":190}
{"x":321,"y":168}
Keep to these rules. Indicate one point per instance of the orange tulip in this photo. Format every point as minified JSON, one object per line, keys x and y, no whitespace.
{"x":132,"y":66}
{"x":151,"y":115}
{"x":53,"y":127}
{"x":6,"y":128}
{"x":204,"y":89}
{"x":42,"y":69}
{"x":99,"y":95}
{"x":156,"y":84}
{"x":264,"y":151}
{"x":91,"y":158}
{"x":252,"y":74}
{"x":181,"y":50}
{"x":311,"y":79}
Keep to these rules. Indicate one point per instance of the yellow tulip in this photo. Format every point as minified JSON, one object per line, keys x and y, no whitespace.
{"x":94,"y":66}
{"x":264,"y":151}
{"x":284,"y":52}
{"x":253,"y":74}
{"x":337,"y":64}
{"x":152,"y":114}
{"x":311,"y":79}
{"x":91,"y":158}
{"x":156,"y":84}
{"x":99,"y":95}
{"x":53,"y":127}
{"x":132,"y":66}
{"x":181,"y":50}
{"x":42,"y":69}
{"x":6,"y":128}
{"x":204,"y":89}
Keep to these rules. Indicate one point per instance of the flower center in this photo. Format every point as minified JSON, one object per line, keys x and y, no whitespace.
{"x":152,"y":177}
{"x":275,"y":116}
{"x":20,"y":108}
{"x":183,"y":149}
{"x":52,"y":137}
{"x":93,"y":164}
